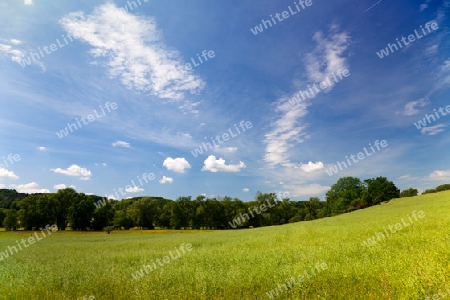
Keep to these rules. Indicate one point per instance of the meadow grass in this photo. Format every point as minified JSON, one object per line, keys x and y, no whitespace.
{"x":244,"y":264}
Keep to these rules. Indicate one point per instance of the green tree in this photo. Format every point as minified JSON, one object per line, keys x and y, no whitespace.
{"x":64,"y":199}
{"x":80,"y":212}
{"x":380,"y":189}
{"x":409,"y":193}
{"x":342,"y":194}
{"x":28,"y":212}
{"x":443,"y":187}
{"x":144,"y":212}
{"x":123,"y":219}
{"x":103,"y":216}
{"x":11,"y":219}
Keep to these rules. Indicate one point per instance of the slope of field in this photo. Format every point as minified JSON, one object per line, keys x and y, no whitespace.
{"x":412,"y":263}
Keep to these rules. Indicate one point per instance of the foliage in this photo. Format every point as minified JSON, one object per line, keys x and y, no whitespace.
{"x":409,"y":193}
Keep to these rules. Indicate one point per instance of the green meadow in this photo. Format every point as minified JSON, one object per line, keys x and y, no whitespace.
{"x":412,"y":263}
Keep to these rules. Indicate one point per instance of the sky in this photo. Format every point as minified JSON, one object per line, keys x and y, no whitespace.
{"x":222,"y":98}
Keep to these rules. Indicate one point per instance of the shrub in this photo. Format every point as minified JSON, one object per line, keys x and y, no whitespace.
{"x":409,"y":193}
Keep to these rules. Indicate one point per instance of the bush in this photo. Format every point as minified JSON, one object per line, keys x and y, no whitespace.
{"x":409,"y":193}
{"x":443,"y":187}
{"x":429,"y":191}
{"x":108,"y":229}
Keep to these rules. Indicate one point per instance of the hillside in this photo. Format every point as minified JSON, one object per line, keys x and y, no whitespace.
{"x":411,"y":263}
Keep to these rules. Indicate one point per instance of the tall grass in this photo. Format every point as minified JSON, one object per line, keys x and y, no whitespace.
{"x":244,"y":264}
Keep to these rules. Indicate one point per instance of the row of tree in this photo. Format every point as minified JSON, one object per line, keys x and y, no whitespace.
{"x":67,"y":208}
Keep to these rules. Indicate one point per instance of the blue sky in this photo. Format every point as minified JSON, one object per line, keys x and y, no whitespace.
{"x":149,"y":111}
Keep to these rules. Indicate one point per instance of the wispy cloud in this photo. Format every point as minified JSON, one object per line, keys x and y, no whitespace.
{"x":433,"y":130}
{"x":135,"y":51}
{"x":16,"y":51}
{"x":326,"y":59}
{"x":411,"y":108}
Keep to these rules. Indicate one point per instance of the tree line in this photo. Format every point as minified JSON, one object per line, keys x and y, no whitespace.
{"x":78,"y":211}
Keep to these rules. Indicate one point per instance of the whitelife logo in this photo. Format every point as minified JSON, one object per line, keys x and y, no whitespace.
{"x":411,"y":38}
{"x":224,"y":136}
{"x":89,"y":119}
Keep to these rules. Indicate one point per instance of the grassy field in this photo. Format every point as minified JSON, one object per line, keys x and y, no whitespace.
{"x":412,"y":263}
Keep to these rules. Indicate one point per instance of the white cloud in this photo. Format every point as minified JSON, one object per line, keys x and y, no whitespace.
{"x":104,"y":164}
{"x":121,"y":144}
{"x":42,"y":148}
{"x":28,"y":2}
{"x":311,"y":167}
{"x":218,"y":165}
{"x":440,"y":175}
{"x":134,"y":189}
{"x":411,"y":107}
{"x":433,"y":130}
{"x":5,"y":174}
{"x":111,"y":197}
{"x":245,"y":190}
{"x":225,"y":150}
{"x":29,"y":188}
{"x":407,"y":176}
{"x":325,"y":60}
{"x":135,"y":51}
{"x":59,"y":186}
{"x":74,"y":170}
{"x":15,"y":42}
{"x":166,"y":180}
{"x":2,"y":186}
{"x":312,"y":189}
{"x":423,"y":6}
{"x":17,"y":55}
{"x":178,"y":164}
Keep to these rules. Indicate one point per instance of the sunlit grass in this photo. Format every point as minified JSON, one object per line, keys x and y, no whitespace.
{"x":243,"y":264}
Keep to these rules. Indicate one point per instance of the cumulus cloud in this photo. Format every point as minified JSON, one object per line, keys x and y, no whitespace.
{"x":245,"y":190}
{"x":218,"y":165}
{"x":29,"y":188}
{"x":28,"y":2}
{"x":134,"y":50}
{"x":134,"y":189}
{"x":165,"y":180}
{"x":5,"y":174}
{"x":42,"y":148}
{"x":178,"y":164}
{"x":311,"y":167}
{"x":59,"y":186}
{"x":75,"y":171}
{"x":440,"y":175}
{"x":121,"y":144}
{"x":433,"y":130}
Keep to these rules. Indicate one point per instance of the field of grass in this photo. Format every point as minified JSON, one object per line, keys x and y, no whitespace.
{"x":244,"y":264}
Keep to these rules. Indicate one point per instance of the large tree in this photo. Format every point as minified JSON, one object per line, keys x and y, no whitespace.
{"x":345,"y":191}
{"x":64,"y":199}
{"x":379,"y":189}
